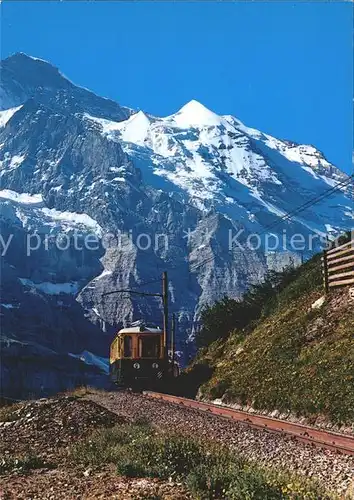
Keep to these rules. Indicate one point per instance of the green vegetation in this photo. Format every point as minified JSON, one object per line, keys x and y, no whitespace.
{"x":228,"y":314}
{"x":293,"y":358}
{"x":208,"y":469}
{"x":21,"y":464}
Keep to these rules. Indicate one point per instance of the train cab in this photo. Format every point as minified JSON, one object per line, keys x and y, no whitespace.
{"x":137,"y":356}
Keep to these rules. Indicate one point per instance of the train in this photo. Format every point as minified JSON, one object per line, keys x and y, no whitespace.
{"x":139,"y":358}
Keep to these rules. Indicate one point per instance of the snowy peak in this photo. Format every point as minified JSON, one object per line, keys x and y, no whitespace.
{"x":212,"y":158}
{"x":133,"y":130}
{"x":136,"y":128}
{"x":217,"y":161}
{"x":195,"y":114}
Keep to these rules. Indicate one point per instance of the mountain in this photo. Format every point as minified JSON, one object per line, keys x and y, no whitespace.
{"x":218,"y":163}
{"x":97,"y":197}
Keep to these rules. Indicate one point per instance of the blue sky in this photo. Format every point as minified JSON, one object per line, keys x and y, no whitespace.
{"x":284,"y":68}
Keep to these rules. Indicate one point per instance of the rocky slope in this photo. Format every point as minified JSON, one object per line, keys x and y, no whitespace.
{"x":75,"y":166}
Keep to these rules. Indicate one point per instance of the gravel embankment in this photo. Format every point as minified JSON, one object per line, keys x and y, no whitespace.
{"x":331,"y":469}
{"x":46,"y":429}
{"x":68,"y":484}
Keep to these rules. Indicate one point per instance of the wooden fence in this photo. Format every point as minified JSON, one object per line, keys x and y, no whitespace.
{"x":338,"y":266}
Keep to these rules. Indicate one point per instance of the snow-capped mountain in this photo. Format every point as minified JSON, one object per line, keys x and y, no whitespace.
{"x":75,"y":165}
{"x":219,"y":163}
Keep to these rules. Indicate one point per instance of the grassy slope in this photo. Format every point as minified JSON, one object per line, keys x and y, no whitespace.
{"x":297,"y":359}
{"x":208,"y":469}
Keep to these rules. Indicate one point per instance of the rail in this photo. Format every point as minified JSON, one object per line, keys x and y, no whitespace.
{"x":338,"y":266}
{"x":341,"y":443}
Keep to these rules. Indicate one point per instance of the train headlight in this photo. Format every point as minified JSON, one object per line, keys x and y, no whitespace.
{"x":155,"y":366}
{"x":136,"y":366}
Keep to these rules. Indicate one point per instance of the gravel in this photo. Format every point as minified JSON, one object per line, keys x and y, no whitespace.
{"x":333,"y":470}
{"x":66,"y":484}
{"x":45,"y":429}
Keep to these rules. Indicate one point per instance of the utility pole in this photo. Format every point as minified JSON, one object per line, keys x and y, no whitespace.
{"x":165,"y":312}
{"x":173,"y":336}
{"x":164,"y":297}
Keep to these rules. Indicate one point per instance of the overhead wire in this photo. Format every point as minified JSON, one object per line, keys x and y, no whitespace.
{"x":313,"y":201}
{"x":328,"y":192}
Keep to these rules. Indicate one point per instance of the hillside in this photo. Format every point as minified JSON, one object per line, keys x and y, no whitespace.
{"x":299,"y":359}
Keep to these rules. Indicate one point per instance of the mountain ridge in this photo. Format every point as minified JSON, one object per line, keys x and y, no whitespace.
{"x":194,"y":184}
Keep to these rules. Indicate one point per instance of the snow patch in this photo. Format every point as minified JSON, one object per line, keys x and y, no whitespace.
{"x":73,"y":217}
{"x":96,"y":312}
{"x":16,"y":161}
{"x":22,"y":198}
{"x":108,"y":126}
{"x":256,"y":134}
{"x":48,"y":288}
{"x":92,"y":359}
{"x":7,"y":114}
{"x":271,"y":208}
{"x":35,"y":58}
{"x":330,"y":228}
{"x":10,"y":306}
{"x":103,"y":274}
{"x":117,"y":169}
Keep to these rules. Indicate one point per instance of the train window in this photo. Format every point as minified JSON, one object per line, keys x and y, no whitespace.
{"x":113,"y":353}
{"x":149,"y":347}
{"x":128,"y":346}
{"x":119,"y":347}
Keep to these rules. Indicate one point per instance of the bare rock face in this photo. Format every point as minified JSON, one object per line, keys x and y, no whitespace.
{"x":95,"y":197}
{"x":23,"y":76}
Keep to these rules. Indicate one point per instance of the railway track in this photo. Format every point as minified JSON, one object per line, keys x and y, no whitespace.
{"x":320,"y":438}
